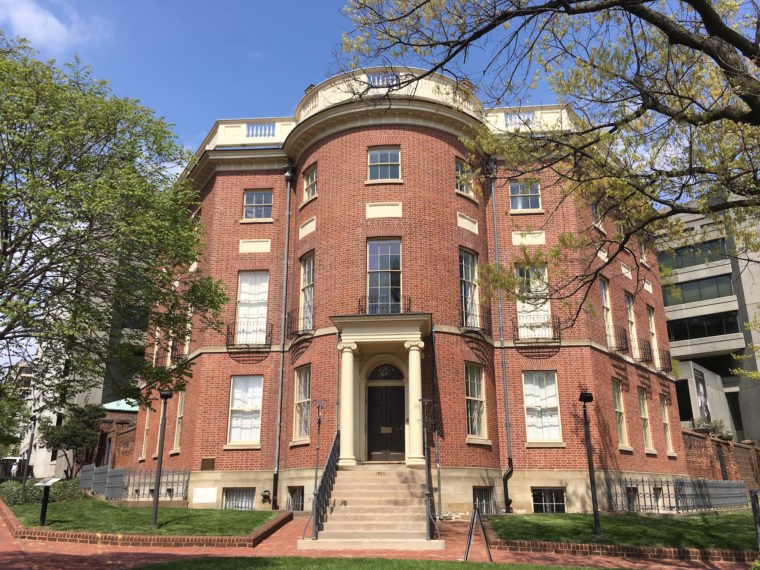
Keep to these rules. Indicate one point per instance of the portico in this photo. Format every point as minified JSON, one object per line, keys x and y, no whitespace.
{"x":372,"y":343}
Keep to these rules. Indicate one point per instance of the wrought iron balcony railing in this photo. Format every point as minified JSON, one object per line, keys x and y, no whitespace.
{"x":301,"y":321}
{"x":645,"y":350}
{"x":160,"y":355}
{"x":475,"y":317}
{"x":617,"y":339}
{"x":178,"y":351}
{"x":382,"y":305}
{"x":536,"y":329}
{"x":664,"y":364}
{"x":250,"y":334}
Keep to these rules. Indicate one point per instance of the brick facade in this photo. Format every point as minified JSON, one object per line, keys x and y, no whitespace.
{"x":703,"y":459}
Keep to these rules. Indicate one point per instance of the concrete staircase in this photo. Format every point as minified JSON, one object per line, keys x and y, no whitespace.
{"x":373,"y":507}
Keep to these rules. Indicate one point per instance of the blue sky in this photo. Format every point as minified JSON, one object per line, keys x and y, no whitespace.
{"x":191,"y":61}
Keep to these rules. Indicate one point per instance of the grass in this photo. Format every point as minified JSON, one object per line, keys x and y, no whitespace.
{"x":329,"y":564}
{"x":734,"y":531}
{"x":98,"y":516}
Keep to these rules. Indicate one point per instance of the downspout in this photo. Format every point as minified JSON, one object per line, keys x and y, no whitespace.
{"x":275,"y":478}
{"x":491,"y":167}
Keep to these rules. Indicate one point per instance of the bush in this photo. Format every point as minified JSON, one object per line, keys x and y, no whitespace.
{"x":756,"y":565}
{"x":10,"y":492}
{"x":66,"y":491}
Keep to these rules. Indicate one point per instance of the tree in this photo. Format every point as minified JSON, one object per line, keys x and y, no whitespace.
{"x":78,"y":433}
{"x":666,"y":98}
{"x":97,"y":236}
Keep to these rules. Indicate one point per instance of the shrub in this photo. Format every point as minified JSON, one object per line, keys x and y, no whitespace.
{"x":10,"y":492}
{"x":66,"y":491}
{"x":756,"y":565}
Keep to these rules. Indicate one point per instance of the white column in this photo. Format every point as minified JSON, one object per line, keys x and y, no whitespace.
{"x":414,"y":454}
{"x":347,"y":456}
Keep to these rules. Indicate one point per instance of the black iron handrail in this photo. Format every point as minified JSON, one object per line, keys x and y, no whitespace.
{"x":383,"y":305}
{"x":645,"y":351}
{"x":475,"y":317}
{"x":618,"y":342}
{"x":536,"y":329}
{"x":665,"y":364}
{"x":301,"y":321}
{"x":324,"y":489}
{"x":249,"y":334}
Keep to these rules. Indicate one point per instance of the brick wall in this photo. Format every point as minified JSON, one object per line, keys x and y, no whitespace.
{"x":119,"y":428}
{"x":742,"y":462}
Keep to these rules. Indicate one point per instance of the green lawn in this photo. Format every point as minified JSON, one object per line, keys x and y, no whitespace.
{"x":330,"y":563}
{"x":730,"y":530}
{"x":99,"y":516}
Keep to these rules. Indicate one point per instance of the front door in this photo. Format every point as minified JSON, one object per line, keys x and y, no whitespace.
{"x":385,"y":423}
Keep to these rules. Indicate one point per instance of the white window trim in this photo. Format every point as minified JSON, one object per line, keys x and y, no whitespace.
{"x":542,"y":442}
{"x":179,"y":421}
{"x":646,"y":425}
{"x":265,"y":317}
{"x":255,"y":219}
{"x":609,"y":327}
{"x":461,"y":186}
{"x":299,"y":437}
{"x":384,"y":180}
{"x":158,"y":431}
{"x":666,"y":425}
{"x":483,"y":424}
{"x":525,"y":210}
{"x":309,"y":257}
{"x":653,"y":336}
{"x":623,"y":442}
{"x":309,"y":184}
{"x":474,"y":301}
{"x":146,"y":429}
{"x":244,"y":444}
{"x":400,"y":270}
{"x":631,"y":315}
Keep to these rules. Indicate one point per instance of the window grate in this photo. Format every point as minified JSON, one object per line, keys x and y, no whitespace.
{"x":548,"y":500}
{"x":295,"y":499}
{"x":483,"y":498}
{"x":239,"y":498}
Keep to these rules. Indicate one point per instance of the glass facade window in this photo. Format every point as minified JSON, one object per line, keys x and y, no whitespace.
{"x":473,"y":386}
{"x":257,"y":205}
{"x":691,"y":255}
{"x":384,"y":276}
{"x":698,"y":290}
{"x":384,"y":163}
{"x":524,"y":195}
{"x":703,"y":326}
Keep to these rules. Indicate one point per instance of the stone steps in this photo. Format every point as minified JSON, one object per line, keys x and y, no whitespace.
{"x":416,"y":544}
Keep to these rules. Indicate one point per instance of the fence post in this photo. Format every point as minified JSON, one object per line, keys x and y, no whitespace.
{"x":754,"y":497}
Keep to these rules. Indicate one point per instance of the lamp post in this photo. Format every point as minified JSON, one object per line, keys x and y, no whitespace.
{"x":587,"y":398}
{"x":29,"y":453}
{"x":165,"y":394}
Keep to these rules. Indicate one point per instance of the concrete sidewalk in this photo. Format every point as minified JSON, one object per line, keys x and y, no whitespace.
{"x":28,"y":554}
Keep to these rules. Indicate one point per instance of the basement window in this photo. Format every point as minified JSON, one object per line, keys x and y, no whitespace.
{"x":483,"y":498}
{"x":239,"y":498}
{"x":548,"y":500}
{"x":295,"y":499}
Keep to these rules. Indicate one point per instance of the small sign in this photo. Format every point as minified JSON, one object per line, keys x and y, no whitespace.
{"x":386,"y":429}
{"x":47,"y":482}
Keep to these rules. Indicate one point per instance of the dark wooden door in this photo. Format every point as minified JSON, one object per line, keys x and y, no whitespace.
{"x":385,"y":423}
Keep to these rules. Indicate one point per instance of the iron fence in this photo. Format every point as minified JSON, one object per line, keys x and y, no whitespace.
{"x":136,"y":484}
{"x":675,"y":495}
{"x":85,"y":477}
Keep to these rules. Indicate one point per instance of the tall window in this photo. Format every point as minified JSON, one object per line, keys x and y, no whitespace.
{"x":310,"y":183}
{"x":604,"y":285}
{"x":533,"y":308}
{"x":307,"y":292}
{"x":257,"y":205}
{"x":384,"y":163}
{"x":632,"y":325}
{"x":524,"y":195}
{"x":180,"y":417}
{"x":473,"y":386}
{"x":158,"y":431}
{"x":302,"y":402}
{"x":666,"y":423}
{"x":245,"y":409}
{"x":622,"y":430}
{"x":644,"y":413}
{"x":468,"y":288}
{"x":653,"y":336}
{"x":463,"y":184}
{"x":596,"y":214}
{"x":642,"y":252}
{"x":542,"y":406}
{"x":251,"y":322}
{"x":384,"y":276}
{"x":146,"y":429}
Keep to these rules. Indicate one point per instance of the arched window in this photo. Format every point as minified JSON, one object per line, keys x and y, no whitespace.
{"x":386,"y":372}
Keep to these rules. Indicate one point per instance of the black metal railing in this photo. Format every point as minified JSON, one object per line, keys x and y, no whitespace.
{"x":134,"y":484}
{"x":324,"y":489}
{"x":250,"y":334}
{"x":665,"y":364}
{"x":536,"y":329}
{"x":382,"y":305}
{"x":474,"y":317}
{"x":644,"y":350}
{"x":178,"y":351}
{"x":160,"y":355}
{"x":300,"y":321}
{"x":617,"y":339}
{"x":676,"y":495}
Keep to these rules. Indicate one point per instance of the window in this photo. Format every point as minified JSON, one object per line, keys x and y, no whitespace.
{"x":302,"y":402}
{"x":468,"y":288}
{"x":307,"y":292}
{"x":698,"y":290}
{"x":295,"y":499}
{"x":310,"y":183}
{"x":644,"y":413}
{"x":473,"y":386}
{"x":384,"y":163}
{"x":524,"y":195}
{"x":146,"y":429}
{"x":653,"y":336}
{"x":666,"y":423}
{"x":158,"y":431}
{"x":542,"y":406}
{"x":642,"y":252}
{"x":632,"y":325}
{"x":384,"y":276}
{"x":622,"y":430}
{"x":596,"y":213}
{"x":463,"y":183}
{"x":257,"y":205}
{"x":245,"y":409}
{"x":180,"y":417}
{"x":533,"y":308}
{"x":548,"y":500}
{"x":703,"y":326}
{"x":251,"y":322}
{"x":239,"y":498}
{"x":483,"y":499}
{"x":688,"y":256}
{"x":607,"y":311}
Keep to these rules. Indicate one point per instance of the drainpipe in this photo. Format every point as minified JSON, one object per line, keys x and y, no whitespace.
{"x":492,"y":167}
{"x":275,"y":478}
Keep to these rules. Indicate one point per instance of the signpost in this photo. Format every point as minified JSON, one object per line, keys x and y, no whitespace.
{"x":45,"y":484}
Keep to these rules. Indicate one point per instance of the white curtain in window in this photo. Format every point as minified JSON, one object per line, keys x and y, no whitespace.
{"x":245,"y":409}
{"x":542,"y":406}
{"x":533,"y":309}
{"x":251,"y":320}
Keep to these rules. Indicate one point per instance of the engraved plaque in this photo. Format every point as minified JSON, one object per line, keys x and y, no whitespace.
{"x":386,"y":429}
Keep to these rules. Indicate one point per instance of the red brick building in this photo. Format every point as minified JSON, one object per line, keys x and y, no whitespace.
{"x":355,"y":209}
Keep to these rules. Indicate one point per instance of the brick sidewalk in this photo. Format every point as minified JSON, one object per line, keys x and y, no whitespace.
{"x":27,"y":554}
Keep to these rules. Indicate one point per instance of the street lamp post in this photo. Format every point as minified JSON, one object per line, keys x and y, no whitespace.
{"x":587,"y":398}
{"x":28,"y":454}
{"x":165,"y":394}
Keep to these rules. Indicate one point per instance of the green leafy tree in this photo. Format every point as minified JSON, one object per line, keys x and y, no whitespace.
{"x":76,"y":437}
{"x":97,"y":235}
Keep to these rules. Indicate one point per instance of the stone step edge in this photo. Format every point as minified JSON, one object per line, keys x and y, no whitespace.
{"x":416,"y":544}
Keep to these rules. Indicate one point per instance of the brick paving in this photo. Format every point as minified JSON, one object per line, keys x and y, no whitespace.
{"x":28,"y":554}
